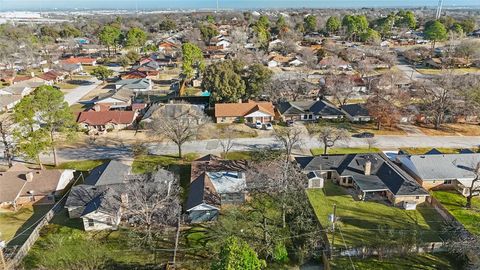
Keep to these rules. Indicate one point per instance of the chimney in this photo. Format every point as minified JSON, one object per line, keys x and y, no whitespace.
{"x":29,"y":176}
{"x":32,"y":74}
{"x":240,"y":100}
{"x":368,"y":167}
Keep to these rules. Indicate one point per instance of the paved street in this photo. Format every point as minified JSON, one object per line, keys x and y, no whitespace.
{"x":250,"y":144}
{"x":81,"y":91}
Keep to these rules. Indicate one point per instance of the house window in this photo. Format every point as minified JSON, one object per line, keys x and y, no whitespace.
{"x":329,"y":175}
{"x":91,"y":223}
{"x":447,"y":182}
{"x":349,"y":180}
{"x":417,"y":197}
{"x":109,"y":221}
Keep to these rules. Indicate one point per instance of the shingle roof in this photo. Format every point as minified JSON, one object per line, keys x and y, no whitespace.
{"x":384,"y":173}
{"x":319,"y":107}
{"x":242,"y":109}
{"x":79,"y":60}
{"x":13,"y":182}
{"x":111,"y":172}
{"x":442,"y":166}
{"x":355,"y":109}
{"x":134,"y":83}
{"x":95,"y":118}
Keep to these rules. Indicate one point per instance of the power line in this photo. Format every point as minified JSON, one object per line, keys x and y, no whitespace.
{"x":348,"y":253}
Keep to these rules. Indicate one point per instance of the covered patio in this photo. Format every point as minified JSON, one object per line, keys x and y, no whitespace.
{"x":370,"y":188}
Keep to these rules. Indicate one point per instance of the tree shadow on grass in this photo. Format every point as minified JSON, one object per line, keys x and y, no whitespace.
{"x":22,"y":234}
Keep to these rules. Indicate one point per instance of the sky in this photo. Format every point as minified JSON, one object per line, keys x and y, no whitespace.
{"x":226,"y":4}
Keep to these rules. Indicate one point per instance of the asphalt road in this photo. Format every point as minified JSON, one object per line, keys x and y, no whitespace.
{"x":250,"y":144}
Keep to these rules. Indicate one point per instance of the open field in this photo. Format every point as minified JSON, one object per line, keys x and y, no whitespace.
{"x":364,"y":223}
{"x":455,"y":204}
{"x":451,"y":130}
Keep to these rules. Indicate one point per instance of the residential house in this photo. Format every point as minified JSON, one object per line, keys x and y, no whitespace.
{"x":334,"y":62}
{"x":249,"y":112}
{"x":101,"y":121}
{"x":442,"y":171}
{"x":52,"y":77}
{"x":135,"y":85}
{"x":8,"y":102}
{"x":116,"y":99}
{"x":372,"y":176}
{"x":71,"y":68}
{"x":20,"y":185}
{"x":96,"y":201}
{"x":277,"y":60}
{"x":134,"y":74}
{"x":85,"y":61}
{"x":215,"y":182}
{"x":7,"y":76}
{"x":356,"y":112}
{"x":308,"y":110}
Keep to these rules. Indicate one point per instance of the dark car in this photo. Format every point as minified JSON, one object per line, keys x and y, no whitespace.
{"x":290,"y":123}
{"x":364,"y":135}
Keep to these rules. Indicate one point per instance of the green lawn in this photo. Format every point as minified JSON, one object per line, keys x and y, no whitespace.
{"x":355,"y":150}
{"x":81,"y":165}
{"x":423,"y":150}
{"x":12,"y":223}
{"x":454,"y":202}
{"x":360,"y":221}
{"x":439,"y":261}
{"x":67,"y":86}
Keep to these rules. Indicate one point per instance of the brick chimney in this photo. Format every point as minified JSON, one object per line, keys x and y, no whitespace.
{"x":368,"y":167}
{"x":29,"y":176}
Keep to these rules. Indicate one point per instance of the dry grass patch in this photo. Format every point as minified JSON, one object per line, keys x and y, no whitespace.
{"x":451,"y":130}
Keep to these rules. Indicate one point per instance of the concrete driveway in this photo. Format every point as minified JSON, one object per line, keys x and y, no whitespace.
{"x":81,"y":91}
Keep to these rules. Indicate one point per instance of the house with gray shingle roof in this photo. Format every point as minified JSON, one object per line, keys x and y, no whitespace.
{"x":372,"y":176}
{"x":135,"y":85}
{"x":308,"y":110}
{"x":96,"y":201}
{"x":442,"y":171}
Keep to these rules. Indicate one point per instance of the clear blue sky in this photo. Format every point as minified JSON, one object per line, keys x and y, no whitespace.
{"x":236,"y":4}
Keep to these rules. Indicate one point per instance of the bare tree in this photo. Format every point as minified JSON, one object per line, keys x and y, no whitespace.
{"x":328,"y":136}
{"x":340,"y":87}
{"x":439,"y":97}
{"x":178,"y":126}
{"x":152,"y":202}
{"x":277,"y":178}
{"x":371,"y":142}
{"x":289,"y":138}
{"x":226,"y":140}
{"x":6,"y":132}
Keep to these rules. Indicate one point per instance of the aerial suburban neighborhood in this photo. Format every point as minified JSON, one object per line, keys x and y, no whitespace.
{"x":225,"y":136}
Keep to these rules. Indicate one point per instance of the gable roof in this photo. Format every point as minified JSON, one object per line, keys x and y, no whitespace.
{"x":79,"y":60}
{"x":95,"y":118}
{"x":134,"y":83}
{"x":51,"y":75}
{"x":355,"y":109}
{"x":442,"y":166}
{"x":109,"y":173}
{"x":202,"y":187}
{"x":243,"y":109}
{"x":384,"y":173}
{"x":124,"y":95}
{"x":13,"y":182}
{"x":318,"y":107}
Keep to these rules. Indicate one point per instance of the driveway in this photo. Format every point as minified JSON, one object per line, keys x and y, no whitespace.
{"x":410,"y":71}
{"x":76,"y":94}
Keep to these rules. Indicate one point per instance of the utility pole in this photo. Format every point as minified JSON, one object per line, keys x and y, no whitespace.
{"x":334,"y":219}
{"x":176,"y":240}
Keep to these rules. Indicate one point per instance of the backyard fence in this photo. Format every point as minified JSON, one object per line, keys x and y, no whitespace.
{"x":429,"y":247}
{"x":15,"y":254}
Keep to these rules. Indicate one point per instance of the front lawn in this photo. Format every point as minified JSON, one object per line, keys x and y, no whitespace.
{"x":455,"y":204}
{"x":354,"y":150}
{"x":356,"y":127}
{"x":362,"y":222}
{"x":423,"y":150}
{"x":81,"y":165}
{"x":438,"y":261}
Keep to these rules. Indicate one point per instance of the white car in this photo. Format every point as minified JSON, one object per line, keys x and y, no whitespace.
{"x":268,"y":126}
{"x":258,"y":125}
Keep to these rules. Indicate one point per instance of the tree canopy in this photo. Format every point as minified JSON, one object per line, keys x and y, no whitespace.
{"x":310,"y":23}
{"x":136,"y":37}
{"x":333,"y":24}
{"x":192,"y":59}
{"x":237,"y":254}
{"x":435,"y":31}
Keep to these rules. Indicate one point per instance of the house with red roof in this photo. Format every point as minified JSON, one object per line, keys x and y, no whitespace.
{"x":249,"y":112}
{"x":106,"y":120}
{"x":86,"y":61}
{"x":51,"y":77}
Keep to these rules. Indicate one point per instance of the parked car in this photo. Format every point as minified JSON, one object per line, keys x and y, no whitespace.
{"x":268,"y":126}
{"x":258,"y":125}
{"x":364,"y":135}
{"x":290,"y":123}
